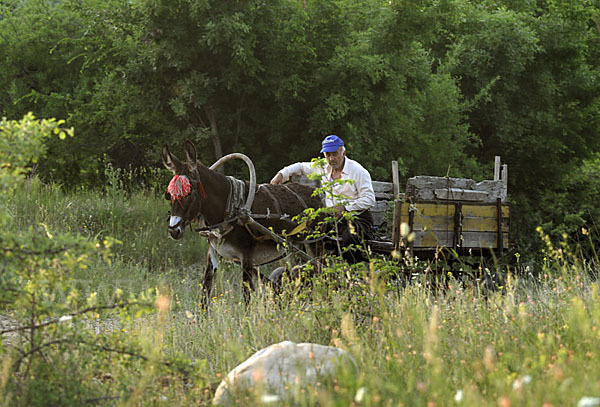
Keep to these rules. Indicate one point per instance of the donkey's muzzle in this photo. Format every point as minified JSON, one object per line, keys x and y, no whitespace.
{"x":176,"y":233}
{"x":176,"y":227}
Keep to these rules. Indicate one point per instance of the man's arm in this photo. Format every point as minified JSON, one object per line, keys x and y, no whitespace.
{"x":295,"y":169}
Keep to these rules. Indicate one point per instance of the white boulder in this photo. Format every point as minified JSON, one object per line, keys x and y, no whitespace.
{"x":278,"y":371}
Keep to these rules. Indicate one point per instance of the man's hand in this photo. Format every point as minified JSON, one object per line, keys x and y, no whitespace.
{"x":277,"y":179}
{"x":339,"y":210}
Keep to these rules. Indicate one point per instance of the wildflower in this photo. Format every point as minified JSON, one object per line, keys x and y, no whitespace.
{"x":404,"y":229}
{"x":589,"y":402}
{"x":162,"y":303}
{"x":518,"y":384}
{"x":360,"y":394}
{"x":489,"y":358}
{"x":269,"y":398}
{"x":458,"y":397}
{"x":504,"y":402}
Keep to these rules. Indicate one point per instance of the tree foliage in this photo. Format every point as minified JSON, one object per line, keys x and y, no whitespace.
{"x":440,"y":86}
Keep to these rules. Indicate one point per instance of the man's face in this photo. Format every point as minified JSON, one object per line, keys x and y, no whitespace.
{"x":336,"y":158}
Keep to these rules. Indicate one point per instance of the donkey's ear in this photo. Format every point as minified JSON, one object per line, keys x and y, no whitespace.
{"x":170,"y":161}
{"x":190,"y":154}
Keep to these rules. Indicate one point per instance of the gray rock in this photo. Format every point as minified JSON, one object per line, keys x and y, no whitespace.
{"x":277,"y":372}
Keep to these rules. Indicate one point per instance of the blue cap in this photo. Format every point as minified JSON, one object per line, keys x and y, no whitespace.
{"x":331,"y":143}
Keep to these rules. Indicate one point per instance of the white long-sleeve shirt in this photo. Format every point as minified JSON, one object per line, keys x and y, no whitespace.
{"x":356,"y":196}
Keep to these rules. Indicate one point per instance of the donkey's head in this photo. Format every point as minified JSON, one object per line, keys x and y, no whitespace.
{"x":185,"y":191}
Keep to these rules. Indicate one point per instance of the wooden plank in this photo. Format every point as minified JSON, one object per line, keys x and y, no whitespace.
{"x":431,"y":209}
{"x":432,"y":240}
{"x":381,"y":206}
{"x":484,"y":211}
{"x":486,"y":240}
{"x":505,"y":179}
{"x":423,"y":188}
{"x":383,"y":190}
{"x":398,"y":204}
{"x":441,"y":224}
{"x":381,"y":186}
{"x":457,"y":194}
{"x":379,"y":212}
{"x":470,"y":240}
{"x":395,"y":179}
{"x":433,"y":223}
{"x":468,"y":211}
{"x":483,"y":225}
{"x":497,"y":168}
{"x":383,"y":196}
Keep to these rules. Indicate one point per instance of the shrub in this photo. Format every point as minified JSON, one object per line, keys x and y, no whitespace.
{"x":60,"y":347}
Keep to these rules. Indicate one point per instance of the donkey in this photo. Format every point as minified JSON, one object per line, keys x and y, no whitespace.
{"x":198,"y":193}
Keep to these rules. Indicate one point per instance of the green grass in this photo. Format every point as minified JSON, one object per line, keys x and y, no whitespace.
{"x":533,"y":343}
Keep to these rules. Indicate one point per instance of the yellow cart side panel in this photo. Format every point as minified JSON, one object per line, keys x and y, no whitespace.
{"x":433,"y":224}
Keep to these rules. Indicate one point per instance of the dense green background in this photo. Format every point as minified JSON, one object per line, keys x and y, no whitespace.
{"x":441,"y":86}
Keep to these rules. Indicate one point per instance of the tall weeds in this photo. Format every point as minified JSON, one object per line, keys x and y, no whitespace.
{"x":534,"y":342}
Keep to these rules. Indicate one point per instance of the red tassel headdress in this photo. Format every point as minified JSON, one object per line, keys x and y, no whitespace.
{"x":179,"y":188}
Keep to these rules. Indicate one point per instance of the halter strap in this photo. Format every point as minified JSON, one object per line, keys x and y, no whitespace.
{"x":201,"y":188}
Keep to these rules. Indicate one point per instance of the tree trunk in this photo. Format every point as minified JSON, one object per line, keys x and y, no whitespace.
{"x":236,"y":140}
{"x":214,"y":133}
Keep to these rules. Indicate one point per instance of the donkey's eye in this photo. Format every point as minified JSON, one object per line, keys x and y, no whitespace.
{"x":167,"y":196}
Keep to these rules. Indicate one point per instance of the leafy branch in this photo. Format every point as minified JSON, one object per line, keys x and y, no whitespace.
{"x":74,"y":314}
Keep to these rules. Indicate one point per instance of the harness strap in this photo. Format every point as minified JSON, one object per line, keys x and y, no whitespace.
{"x":235,"y":198}
{"x":255,"y":237}
{"x":223,"y":227}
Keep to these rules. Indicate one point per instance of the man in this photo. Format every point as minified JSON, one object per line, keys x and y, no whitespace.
{"x":356,"y":196}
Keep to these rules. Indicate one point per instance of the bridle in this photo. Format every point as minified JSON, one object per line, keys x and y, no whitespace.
{"x":182,"y":186}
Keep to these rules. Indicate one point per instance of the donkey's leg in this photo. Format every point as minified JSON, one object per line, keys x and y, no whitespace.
{"x":212,"y":263}
{"x":247,"y":278}
{"x":316,"y":251}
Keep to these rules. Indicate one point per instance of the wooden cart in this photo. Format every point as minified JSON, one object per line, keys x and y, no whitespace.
{"x":449,"y":213}
{"x":442,"y":213}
